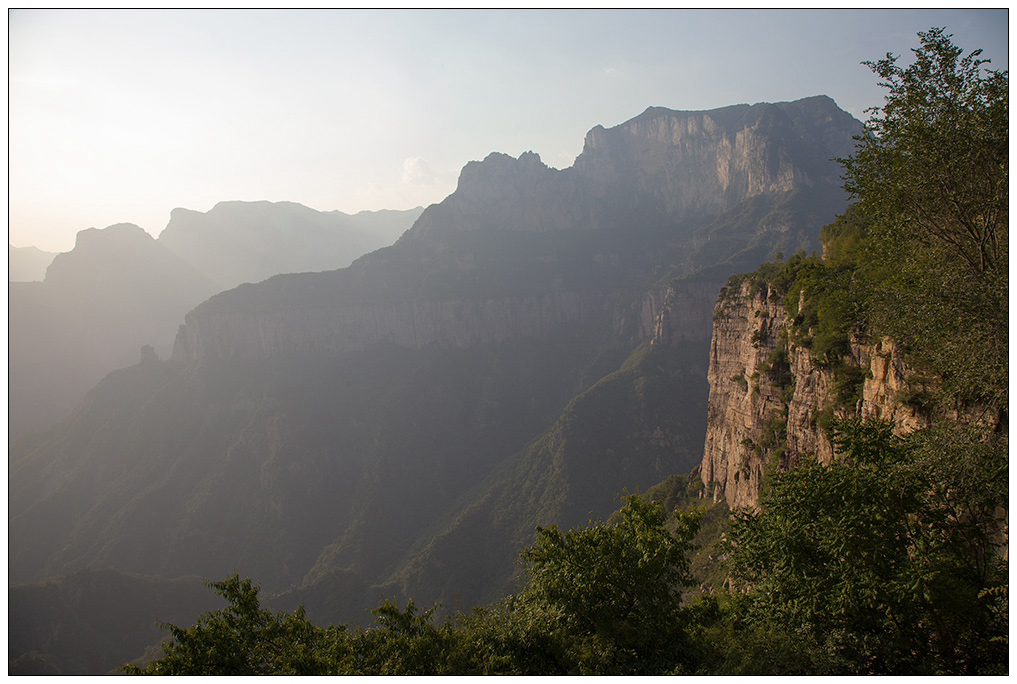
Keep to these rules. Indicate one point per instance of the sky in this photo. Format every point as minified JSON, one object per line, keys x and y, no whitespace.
{"x":122,"y":115}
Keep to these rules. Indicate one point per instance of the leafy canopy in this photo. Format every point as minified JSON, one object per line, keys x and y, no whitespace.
{"x":932,"y":176}
{"x":243,"y":639}
{"x":621,"y":583}
{"x":877,"y":562}
{"x":606,"y":599}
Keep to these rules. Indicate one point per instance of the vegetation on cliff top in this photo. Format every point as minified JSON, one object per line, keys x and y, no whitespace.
{"x":922,"y":257}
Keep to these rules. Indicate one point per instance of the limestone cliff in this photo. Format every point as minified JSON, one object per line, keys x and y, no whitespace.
{"x":682,"y":313}
{"x":771,"y":400}
{"x":661,"y":166}
{"x":708,"y":161}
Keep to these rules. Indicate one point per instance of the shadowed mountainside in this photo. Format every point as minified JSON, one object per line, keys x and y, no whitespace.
{"x":116,"y":291}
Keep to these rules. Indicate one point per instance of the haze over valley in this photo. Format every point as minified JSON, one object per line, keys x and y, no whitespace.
{"x":120,"y":290}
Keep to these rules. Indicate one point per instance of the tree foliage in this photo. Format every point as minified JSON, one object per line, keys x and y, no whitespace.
{"x":933,"y":167}
{"x":932,"y":175}
{"x":618,"y":587}
{"x":243,"y":639}
{"x":877,"y":561}
{"x":606,"y":599}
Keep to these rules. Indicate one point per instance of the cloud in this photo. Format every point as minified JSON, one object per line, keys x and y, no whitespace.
{"x":418,"y":171}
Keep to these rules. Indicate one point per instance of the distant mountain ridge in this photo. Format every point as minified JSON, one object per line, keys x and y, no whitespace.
{"x":27,"y":264}
{"x":120,"y":289}
{"x":247,"y":242}
{"x":116,"y":291}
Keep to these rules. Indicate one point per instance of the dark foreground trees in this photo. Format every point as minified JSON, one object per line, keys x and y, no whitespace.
{"x":885,"y":561}
{"x":880,"y":562}
{"x":243,"y":639}
{"x":604,"y":599}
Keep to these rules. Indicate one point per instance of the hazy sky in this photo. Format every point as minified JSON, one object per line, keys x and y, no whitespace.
{"x":120,"y":116}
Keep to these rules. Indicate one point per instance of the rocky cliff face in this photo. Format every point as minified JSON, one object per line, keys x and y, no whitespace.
{"x":453,"y":323}
{"x":707,"y":162}
{"x":683,"y":312}
{"x":770,"y":399}
{"x":679,"y":313}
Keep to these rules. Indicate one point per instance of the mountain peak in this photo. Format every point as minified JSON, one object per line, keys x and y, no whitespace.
{"x":27,"y":264}
{"x":498,"y":168}
{"x":117,"y":233}
{"x":119,"y":253}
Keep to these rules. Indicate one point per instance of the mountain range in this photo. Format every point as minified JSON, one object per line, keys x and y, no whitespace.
{"x":119,"y":289}
{"x":534,"y":345}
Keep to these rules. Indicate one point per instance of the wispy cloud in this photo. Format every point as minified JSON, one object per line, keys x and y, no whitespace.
{"x":418,"y":171}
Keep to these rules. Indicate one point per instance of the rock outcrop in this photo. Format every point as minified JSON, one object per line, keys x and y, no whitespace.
{"x":684,"y":313}
{"x":771,"y":400}
{"x":700,"y":163}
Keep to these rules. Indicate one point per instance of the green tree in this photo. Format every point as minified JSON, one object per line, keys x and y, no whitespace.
{"x":244,"y":639}
{"x":405,"y":642}
{"x":617,"y":588}
{"x":878,"y":562}
{"x":601,"y":599}
{"x":932,"y":177}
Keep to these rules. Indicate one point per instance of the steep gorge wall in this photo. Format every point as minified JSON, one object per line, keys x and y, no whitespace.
{"x":353,"y":326}
{"x":769,"y":399}
{"x":677,"y":314}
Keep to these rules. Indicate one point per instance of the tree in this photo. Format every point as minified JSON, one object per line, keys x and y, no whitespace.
{"x":244,"y":639}
{"x":405,"y":642}
{"x":617,"y":588}
{"x":878,"y":562}
{"x":601,"y":599}
{"x":932,"y":175}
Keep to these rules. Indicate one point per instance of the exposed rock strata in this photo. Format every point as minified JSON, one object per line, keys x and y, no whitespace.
{"x":754,"y":417}
{"x":706,"y":162}
{"x":352,"y":327}
{"x":679,"y":313}
{"x":684,"y":313}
